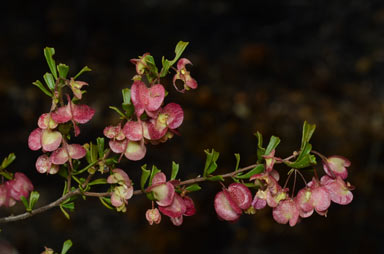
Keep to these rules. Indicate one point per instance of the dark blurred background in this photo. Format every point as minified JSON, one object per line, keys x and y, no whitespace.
{"x":260,"y":65}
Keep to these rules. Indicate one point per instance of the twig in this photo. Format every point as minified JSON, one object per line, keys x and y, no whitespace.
{"x":40,"y":209}
{"x":104,"y":194}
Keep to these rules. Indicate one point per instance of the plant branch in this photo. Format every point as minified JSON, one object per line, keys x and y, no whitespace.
{"x":75,"y":192}
{"x":203,"y":179}
{"x":26,"y":215}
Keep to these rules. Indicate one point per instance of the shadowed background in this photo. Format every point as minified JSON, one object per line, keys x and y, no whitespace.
{"x":260,"y":65}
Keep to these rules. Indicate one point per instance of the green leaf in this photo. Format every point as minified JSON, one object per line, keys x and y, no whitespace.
{"x":126,"y":96}
{"x":48,"y":78}
{"x":144,"y":176}
{"x":85,"y":68}
{"x":175,"y":170}
{"x":237,"y":156}
{"x":308,"y":130}
{"x":256,"y":170}
{"x":305,"y":159}
{"x":260,"y":148}
{"x":88,"y":148}
{"x":210,"y":162}
{"x":70,"y":206}
{"x":215,"y":178}
{"x":33,"y":197}
{"x":180,"y":47}
{"x":100,"y":146}
{"x":79,"y":181}
{"x":302,"y":162}
{"x":48,"y":53}
{"x":63,"y":70}
{"x":94,"y":152}
{"x":106,"y":202}
{"x":150,"y":61}
{"x":193,"y":187}
{"x":273,"y":143}
{"x":7,"y":161}
{"x":66,"y":246}
{"x":152,"y":72}
{"x":305,"y":150}
{"x":150,"y":196}
{"x":127,"y":104}
{"x":118,"y":111}
{"x":249,"y":185}
{"x":42,"y":88}
{"x":64,"y":212}
{"x":25,"y":203}
{"x":65,"y":190}
{"x":98,"y":181}
{"x":129,"y":110}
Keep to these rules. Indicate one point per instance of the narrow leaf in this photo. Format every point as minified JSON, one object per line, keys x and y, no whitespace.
{"x":88,"y":148}
{"x":215,"y":178}
{"x":273,"y":143}
{"x":25,"y":203}
{"x":63,"y":70}
{"x":70,"y":206}
{"x":175,"y":170}
{"x":126,"y":96}
{"x":33,"y":197}
{"x":65,"y":212}
{"x":166,"y":65}
{"x":210,"y":162}
{"x":85,"y":68}
{"x":66,"y":246}
{"x":180,"y":47}
{"x":144,"y":176}
{"x":249,"y":185}
{"x":7,"y":161}
{"x":94,"y":152}
{"x":151,"y":67}
{"x":127,"y":104}
{"x":106,"y":202}
{"x":256,"y":170}
{"x":48,"y":78}
{"x":118,"y":111}
{"x":98,"y":181}
{"x":260,"y":148}
{"x":150,"y":196}
{"x":100,"y":146}
{"x":308,"y":130}
{"x":129,"y":110}
{"x":42,"y":88}
{"x":237,"y":156}
{"x":193,"y":187}
{"x":212,"y":168}
{"x":305,"y":161}
{"x":48,"y":53}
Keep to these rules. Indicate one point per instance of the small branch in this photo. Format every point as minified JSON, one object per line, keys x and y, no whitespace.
{"x":104,"y":194}
{"x":97,"y":194}
{"x":203,"y":179}
{"x":51,"y":205}
{"x":41,"y":209}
